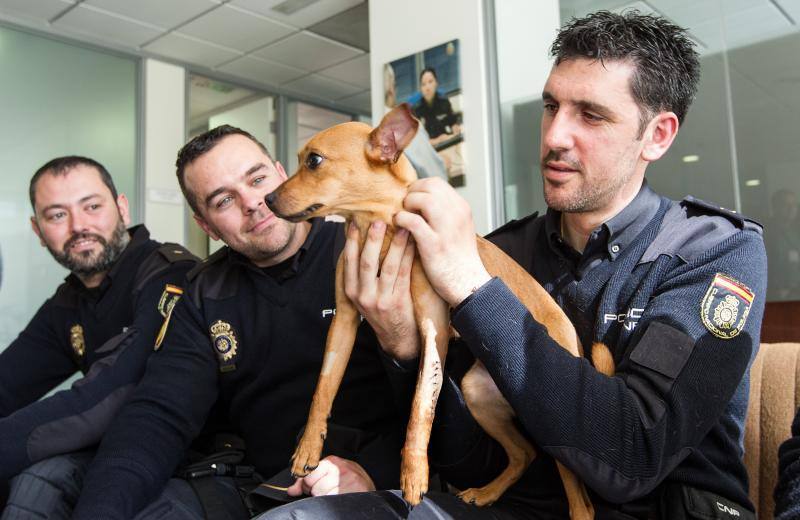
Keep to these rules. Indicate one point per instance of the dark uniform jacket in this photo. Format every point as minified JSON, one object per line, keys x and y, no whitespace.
{"x":676,"y":290}
{"x":106,"y":333}
{"x":253,"y":339}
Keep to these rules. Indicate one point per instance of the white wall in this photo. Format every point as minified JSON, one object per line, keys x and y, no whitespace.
{"x":398,"y":29}
{"x":164,"y":88}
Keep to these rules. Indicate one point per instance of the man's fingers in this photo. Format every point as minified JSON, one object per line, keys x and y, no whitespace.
{"x":296,"y":489}
{"x":403,"y":280}
{"x":392,"y":260}
{"x":417,"y":226}
{"x":351,"y":258}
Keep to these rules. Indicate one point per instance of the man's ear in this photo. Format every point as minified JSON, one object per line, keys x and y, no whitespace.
{"x":658,"y":136}
{"x":390,"y":138}
{"x":124,"y":209}
{"x":37,"y":231}
{"x":205,"y":227}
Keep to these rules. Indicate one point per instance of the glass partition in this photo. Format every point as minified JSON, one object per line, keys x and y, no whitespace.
{"x":58,"y":99}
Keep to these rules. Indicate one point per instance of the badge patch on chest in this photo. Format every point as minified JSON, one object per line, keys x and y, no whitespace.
{"x":76,"y":340}
{"x":224,"y":341}
{"x":725,"y":306}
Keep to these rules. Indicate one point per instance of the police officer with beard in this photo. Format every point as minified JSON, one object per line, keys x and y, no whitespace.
{"x":102,"y":321}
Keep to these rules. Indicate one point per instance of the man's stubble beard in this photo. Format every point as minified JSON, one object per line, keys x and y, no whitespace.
{"x":86,"y":263}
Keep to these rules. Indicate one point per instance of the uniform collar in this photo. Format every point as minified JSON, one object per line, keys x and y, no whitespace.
{"x":139,"y":236}
{"x":616,"y":234}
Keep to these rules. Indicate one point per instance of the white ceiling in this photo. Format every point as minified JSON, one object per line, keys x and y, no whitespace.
{"x":244,"y":39}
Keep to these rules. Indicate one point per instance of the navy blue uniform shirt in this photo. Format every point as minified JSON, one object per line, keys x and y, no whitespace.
{"x":252,"y":340}
{"x":106,"y":332}
{"x":676,"y":290}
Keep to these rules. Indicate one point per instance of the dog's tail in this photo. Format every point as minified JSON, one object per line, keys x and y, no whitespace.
{"x":602,"y":359}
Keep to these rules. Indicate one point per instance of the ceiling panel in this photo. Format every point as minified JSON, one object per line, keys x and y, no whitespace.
{"x":185,"y":48}
{"x":350,"y":27}
{"x":42,"y":10}
{"x":320,"y":86}
{"x":361,"y":101}
{"x":157,"y":12}
{"x":104,"y":26}
{"x":262,"y":71}
{"x":307,"y":51}
{"x":313,"y":13}
{"x":240,"y":30}
{"x":355,"y":71}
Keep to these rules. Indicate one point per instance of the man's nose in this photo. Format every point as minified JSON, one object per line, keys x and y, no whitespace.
{"x":559,"y":133}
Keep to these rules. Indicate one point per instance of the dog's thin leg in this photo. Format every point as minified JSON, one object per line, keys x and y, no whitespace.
{"x":432,"y":317}
{"x":496,"y":417}
{"x":338,"y":347}
{"x":580,"y":507}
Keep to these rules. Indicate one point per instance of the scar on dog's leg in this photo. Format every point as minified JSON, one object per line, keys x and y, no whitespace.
{"x":338,"y":347}
{"x":432,"y":319}
{"x":488,"y":406}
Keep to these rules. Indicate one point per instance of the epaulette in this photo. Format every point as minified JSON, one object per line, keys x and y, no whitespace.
{"x":740,"y":220}
{"x":176,"y":253}
{"x":512,"y":224}
{"x":206,"y":262}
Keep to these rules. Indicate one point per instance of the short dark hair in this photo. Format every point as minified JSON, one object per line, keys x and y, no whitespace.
{"x":667,"y":69}
{"x":62,"y":166}
{"x":199,"y":146}
{"x":428,"y":69}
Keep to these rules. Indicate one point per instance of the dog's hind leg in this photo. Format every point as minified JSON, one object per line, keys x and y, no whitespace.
{"x":432,"y":317}
{"x":488,"y":406}
{"x":338,"y":347}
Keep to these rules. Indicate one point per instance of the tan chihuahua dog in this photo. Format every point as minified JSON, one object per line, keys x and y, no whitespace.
{"x":360,"y":174}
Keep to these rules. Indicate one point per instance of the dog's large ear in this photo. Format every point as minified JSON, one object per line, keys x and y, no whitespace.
{"x":390,"y":138}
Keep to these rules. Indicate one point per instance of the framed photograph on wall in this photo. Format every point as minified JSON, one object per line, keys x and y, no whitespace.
{"x":430,"y":81}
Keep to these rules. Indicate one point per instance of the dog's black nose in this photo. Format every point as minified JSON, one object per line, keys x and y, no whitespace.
{"x":270,"y":199}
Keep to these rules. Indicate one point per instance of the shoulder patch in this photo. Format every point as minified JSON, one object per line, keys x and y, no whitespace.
{"x":740,"y":220}
{"x":512,"y":224}
{"x":206,"y":262}
{"x":225,"y":344}
{"x":176,"y":253}
{"x":166,"y":303}
{"x":725,"y":306}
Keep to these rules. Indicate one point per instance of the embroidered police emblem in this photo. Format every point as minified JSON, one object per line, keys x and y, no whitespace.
{"x":76,"y":340}
{"x":166,"y":303}
{"x":725,"y":306}
{"x":224,"y":340}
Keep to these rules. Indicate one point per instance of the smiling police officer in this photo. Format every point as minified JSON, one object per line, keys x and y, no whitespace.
{"x":676,"y":290}
{"x":249,"y":333}
{"x":102,"y":321}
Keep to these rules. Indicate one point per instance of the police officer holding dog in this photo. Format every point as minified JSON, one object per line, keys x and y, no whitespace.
{"x":248,"y":334}
{"x":102,"y":321}
{"x":675,"y":289}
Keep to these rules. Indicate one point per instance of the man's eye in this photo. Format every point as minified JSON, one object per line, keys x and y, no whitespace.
{"x":591,"y":117}
{"x":258,"y":180}
{"x":313,"y":161}
{"x":224,"y":202}
{"x":550,"y":107}
{"x":56,"y":216}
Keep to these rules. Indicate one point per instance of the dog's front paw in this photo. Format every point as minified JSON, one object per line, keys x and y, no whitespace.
{"x":484,"y":496}
{"x":306,"y":455}
{"x":414,"y":477}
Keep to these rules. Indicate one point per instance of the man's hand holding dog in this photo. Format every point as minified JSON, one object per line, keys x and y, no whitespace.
{"x":441,"y":222}
{"x":383,"y":296}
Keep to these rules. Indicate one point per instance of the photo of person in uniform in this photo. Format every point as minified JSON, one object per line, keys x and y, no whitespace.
{"x":430,"y":82}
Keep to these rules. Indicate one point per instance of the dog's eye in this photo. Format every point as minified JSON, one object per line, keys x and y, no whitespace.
{"x":313,"y":161}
